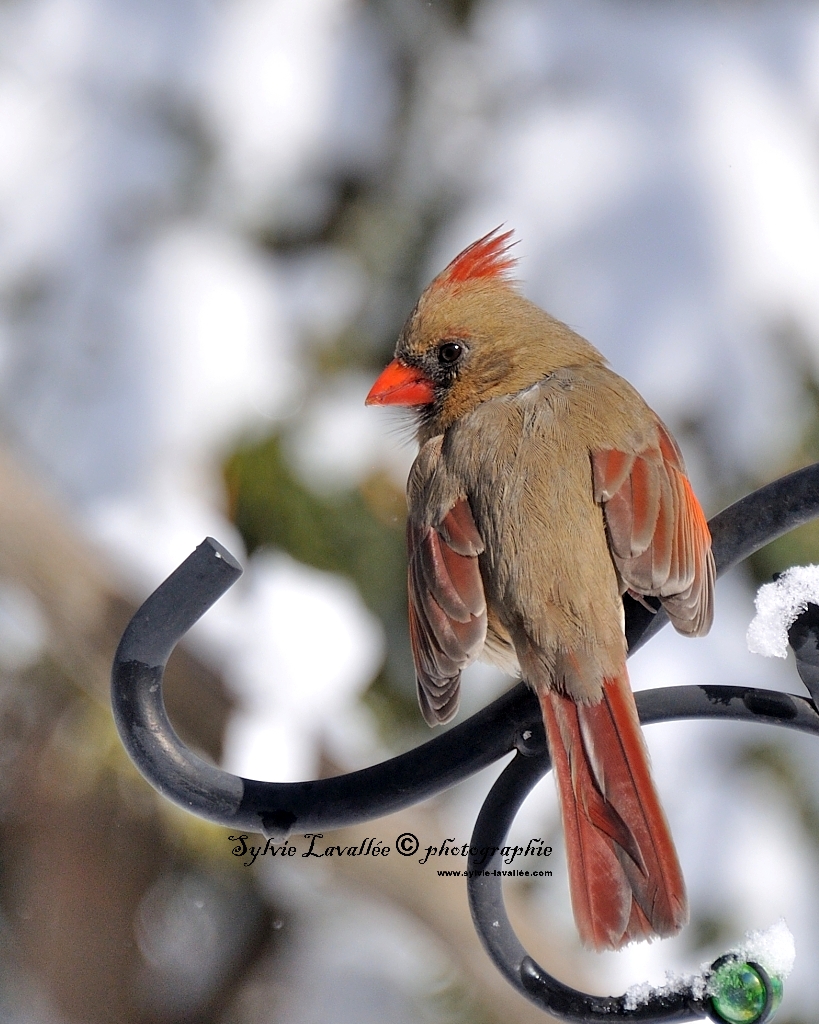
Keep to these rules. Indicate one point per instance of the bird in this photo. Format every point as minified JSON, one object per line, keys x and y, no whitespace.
{"x":544,"y":489}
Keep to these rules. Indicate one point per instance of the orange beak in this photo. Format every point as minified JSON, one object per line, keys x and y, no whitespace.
{"x":401,"y":385}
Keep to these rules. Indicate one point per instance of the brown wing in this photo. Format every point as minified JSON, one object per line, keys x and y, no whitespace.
{"x":658,"y":535}
{"x":447,"y":609}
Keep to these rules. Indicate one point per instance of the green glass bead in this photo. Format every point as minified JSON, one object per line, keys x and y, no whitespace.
{"x":738,"y":993}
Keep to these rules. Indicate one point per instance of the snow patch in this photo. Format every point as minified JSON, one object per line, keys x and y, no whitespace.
{"x":773,"y":949}
{"x":674,"y":984}
{"x":778,"y":605}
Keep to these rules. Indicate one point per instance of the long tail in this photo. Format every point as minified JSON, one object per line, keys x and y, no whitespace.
{"x":624,"y":876}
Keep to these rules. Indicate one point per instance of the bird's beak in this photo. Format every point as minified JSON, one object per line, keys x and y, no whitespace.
{"x":401,"y":385}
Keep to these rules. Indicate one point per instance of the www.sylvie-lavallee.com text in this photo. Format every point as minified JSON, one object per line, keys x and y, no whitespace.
{"x":518,"y":861}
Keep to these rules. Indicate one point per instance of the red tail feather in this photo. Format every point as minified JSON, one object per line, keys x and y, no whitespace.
{"x":624,"y":876}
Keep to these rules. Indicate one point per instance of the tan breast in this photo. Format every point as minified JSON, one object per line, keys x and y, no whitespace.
{"x":524,"y":464}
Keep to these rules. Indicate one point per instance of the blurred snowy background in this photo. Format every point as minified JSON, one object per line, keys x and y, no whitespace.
{"x":214,"y":217}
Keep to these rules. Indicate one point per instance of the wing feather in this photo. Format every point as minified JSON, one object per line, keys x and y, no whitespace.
{"x":658,"y":535}
{"x":447,"y":607}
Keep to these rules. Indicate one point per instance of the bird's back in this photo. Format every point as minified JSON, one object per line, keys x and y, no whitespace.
{"x":524,"y":463}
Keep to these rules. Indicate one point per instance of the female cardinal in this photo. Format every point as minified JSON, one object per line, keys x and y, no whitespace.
{"x":543,"y":490}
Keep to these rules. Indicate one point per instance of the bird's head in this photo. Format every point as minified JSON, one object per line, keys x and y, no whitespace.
{"x":472,"y":337}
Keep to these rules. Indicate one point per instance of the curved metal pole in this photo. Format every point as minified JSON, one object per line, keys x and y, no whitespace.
{"x":136,"y":684}
{"x":272,"y":807}
{"x":511,"y":722}
{"x":485,"y":878}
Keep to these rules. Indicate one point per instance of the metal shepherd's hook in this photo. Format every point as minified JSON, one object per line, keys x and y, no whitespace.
{"x":511,"y":723}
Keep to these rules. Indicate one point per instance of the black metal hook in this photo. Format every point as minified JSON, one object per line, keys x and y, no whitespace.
{"x":510,"y":723}
{"x":276,"y":808}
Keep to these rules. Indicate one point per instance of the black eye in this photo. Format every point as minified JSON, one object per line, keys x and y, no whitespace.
{"x":449,"y":352}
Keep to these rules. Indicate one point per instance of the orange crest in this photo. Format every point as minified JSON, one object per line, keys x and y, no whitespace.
{"x":488,"y":258}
